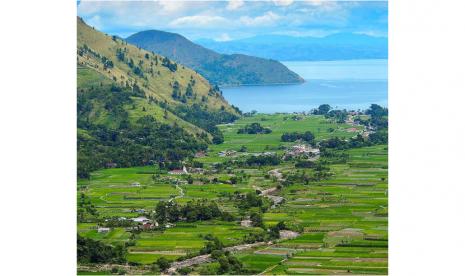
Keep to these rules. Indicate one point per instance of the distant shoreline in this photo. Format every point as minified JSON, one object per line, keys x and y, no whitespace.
{"x":264,"y":84}
{"x":326,"y":60}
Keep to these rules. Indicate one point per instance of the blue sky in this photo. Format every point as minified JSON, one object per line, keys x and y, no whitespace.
{"x":235,"y":19}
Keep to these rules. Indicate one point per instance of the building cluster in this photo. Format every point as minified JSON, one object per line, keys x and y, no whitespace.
{"x":144,"y":223}
{"x":141,"y":223}
{"x":227,"y":153}
{"x":266,"y":153}
{"x":301,"y":150}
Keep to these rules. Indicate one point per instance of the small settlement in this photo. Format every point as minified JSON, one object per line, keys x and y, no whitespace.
{"x":301,"y":150}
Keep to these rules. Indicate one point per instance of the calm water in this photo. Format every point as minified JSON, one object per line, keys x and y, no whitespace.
{"x":353,"y":84}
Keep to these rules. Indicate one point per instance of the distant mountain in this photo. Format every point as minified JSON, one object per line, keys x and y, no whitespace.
{"x":220,"y":69}
{"x":341,"y":46}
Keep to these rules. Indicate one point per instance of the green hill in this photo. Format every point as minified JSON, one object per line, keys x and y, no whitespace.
{"x":235,"y":69}
{"x":137,"y":108}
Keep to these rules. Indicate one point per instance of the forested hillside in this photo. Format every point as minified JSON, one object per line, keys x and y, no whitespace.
{"x":137,"y":108}
{"x":236,"y":69}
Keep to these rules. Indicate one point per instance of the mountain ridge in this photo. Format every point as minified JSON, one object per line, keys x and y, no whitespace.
{"x":339,"y":46}
{"x":220,"y":69}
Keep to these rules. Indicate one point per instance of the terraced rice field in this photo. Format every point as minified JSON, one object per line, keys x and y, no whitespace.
{"x":343,"y":219}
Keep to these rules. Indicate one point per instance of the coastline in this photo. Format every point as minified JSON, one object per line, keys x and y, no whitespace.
{"x":265,"y":84}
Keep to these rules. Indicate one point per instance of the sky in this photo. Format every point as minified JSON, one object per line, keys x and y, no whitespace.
{"x":236,"y":19}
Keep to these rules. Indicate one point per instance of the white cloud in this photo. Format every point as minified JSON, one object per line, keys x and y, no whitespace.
{"x":374,"y":33}
{"x":87,"y":7}
{"x":324,"y":5}
{"x":171,"y":6}
{"x":283,"y":2}
{"x":234,"y":4}
{"x":269,"y":18}
{"x":223,"y":37}
{"x":198,"y":21}
{"x":306,"y":33}
{"x":314,"y":2}
{"x":237,"y":18}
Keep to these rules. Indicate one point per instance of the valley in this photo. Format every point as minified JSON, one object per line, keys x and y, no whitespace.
{"x":177,"y":175}
{"x":336,"y":205}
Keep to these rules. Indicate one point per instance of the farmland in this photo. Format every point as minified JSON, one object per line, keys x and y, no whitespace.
{"x":341,"y":217}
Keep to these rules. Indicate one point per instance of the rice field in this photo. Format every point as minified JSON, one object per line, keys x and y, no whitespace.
{"x":344,"y":219}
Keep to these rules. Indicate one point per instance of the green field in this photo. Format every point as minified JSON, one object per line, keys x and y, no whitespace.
{"x":279,"y":123}
{"x":344,"y":219}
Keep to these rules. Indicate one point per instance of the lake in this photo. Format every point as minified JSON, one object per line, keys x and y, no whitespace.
{"x":349,"y":84}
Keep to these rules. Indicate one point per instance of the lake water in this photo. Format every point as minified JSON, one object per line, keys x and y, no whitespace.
{"x":349,"y":84}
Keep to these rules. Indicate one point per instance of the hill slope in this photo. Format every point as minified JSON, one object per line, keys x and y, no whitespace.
{"x":137,"y":108}
{"x":340,"y":46}
{"x":236,"y":69}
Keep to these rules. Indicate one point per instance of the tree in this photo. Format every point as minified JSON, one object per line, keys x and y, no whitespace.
{"x":257,"y":220}
{"x":294,"y":136}
{"x":224,"y":265}
{"x":189,"y":90}
{"x":281,"y":225}
{"x":185,"y":270}
{"x":217,"y":139}
{"x":93,"y":251}
{"x":323,"y":109}
{"x":254,"y":128}
{"x":163,"y":263}
{"x":377,"y":111}
{"x":212,"y":244}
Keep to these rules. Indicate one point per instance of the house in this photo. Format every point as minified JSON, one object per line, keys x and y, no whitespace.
{"x":197,"y":170}
{"x":287,"y":234}
{"x":365,"y":134}
{"x":135,"y":184}
{"x":140,"y":219}
{"x":352,"y":129}
{"x":149,"y":225}
{"x":103,"y":230}
{"x":110,"y":165}
{"x":199,"y":154}
{"x":349,"y":120}
{"x":246,"y":223}
{"x":266,"y":153}
{"x":227,"y":153}
{"x":179,"y":171}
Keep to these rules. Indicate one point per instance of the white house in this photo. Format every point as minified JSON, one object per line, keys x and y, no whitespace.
{"x":178,"y":171}
{"x":103,"y":230}
{"x":246,"y":223}
{"x":140,"y":219}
